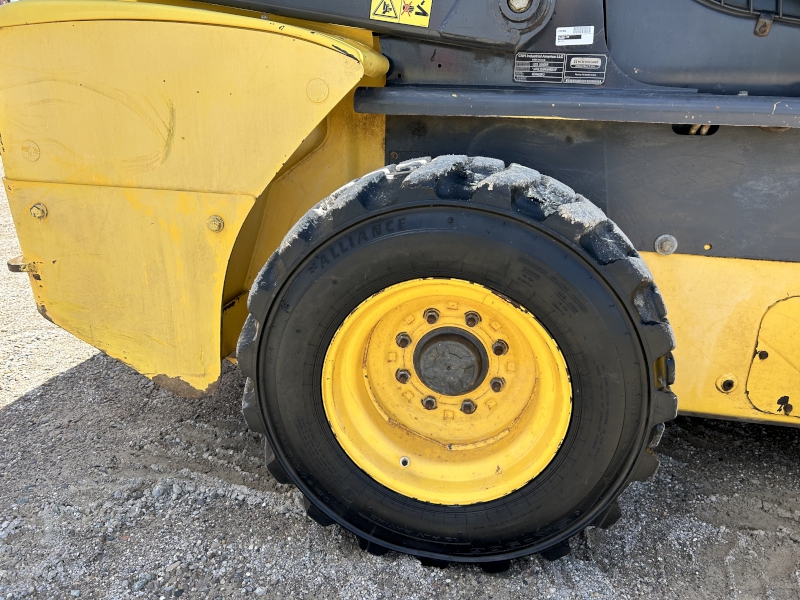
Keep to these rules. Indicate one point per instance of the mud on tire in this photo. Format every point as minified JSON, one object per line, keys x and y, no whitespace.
{"x":524,"y":235}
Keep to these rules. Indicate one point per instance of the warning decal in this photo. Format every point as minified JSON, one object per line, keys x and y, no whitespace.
{"x":585,"y":69}
{"x":405,"y":12}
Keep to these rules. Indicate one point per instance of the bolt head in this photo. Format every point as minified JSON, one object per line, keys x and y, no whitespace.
{"x":39,"y":211}
{"x":215,"y":223}
{"x":499,"y":348}
{"x":472,"y":318}
{"x":666,"y":244}
{"x":468,"y":407}
{"x":429,"y":403}
{"x":402,"y":340}
{"x":497,"y":384}
{"x":431,"y":316}
{"x":402,"y":375}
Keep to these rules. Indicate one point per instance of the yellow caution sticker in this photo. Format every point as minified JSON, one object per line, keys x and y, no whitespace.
{"x":416,"y":13}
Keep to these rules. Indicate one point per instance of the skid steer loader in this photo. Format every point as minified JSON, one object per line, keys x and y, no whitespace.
{"x":438,"y":236}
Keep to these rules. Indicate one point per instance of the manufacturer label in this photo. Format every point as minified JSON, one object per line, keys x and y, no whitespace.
{"x":585,"y":69}
{"x":416,"y":13}
{"x":575,"y":36}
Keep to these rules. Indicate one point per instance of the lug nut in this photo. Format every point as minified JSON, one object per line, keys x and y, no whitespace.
{"x":402,"y":375}
{"x":468,"y":407}
{"x":499,"y":348}
{"x":402,"y":340}
{"x":429,"y":402}
{"x":497,"y":384}
{"x":431,"y":316}
{"x":472,"y":318}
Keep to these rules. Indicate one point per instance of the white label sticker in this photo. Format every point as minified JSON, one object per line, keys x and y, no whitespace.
{"x":575,"y":36}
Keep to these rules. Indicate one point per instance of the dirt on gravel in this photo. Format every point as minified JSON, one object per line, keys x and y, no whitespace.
{"x":111,"y":487}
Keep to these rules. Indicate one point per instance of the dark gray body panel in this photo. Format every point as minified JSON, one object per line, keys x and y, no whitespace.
{"x":737,"y":190}
{"x":683,"y":43}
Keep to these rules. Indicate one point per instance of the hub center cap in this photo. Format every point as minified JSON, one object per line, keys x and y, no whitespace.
{"x":451,"y":361}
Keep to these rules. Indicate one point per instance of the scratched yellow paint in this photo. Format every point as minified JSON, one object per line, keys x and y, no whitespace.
{"x":133,"y":122}
{"x":716,"y":306}
{"x":773,"y":384}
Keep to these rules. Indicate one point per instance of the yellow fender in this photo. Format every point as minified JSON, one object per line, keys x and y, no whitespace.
{"x":136,"y":138}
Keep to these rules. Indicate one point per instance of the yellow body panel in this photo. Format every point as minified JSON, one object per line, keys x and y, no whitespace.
{"x":344,"y":146}
{"x":716,"y":306}
{"x":773,"y":384}
{"x":137,"y":273}
{"x":135,"y":122}
{"x":446,"y":392}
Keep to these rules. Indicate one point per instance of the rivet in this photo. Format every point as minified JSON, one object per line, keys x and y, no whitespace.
{"x":39,"y":211}
{"x":666,"y":244}
{"x":215,"y":223}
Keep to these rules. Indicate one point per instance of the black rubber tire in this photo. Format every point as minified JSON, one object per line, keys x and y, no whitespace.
{"x":527,"y":237}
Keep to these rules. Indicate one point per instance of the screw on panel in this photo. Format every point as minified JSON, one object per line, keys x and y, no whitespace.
{"x":402,"y":375}
{"x":429,"y":402}
{"x":215,"y":223}
{"x":468,"y":407}
{"x":394,"y":155}
{"x":39,"y":211}
{"x":472,"y":318}
{"x":402,"y":340}
{"x":666,"y":244}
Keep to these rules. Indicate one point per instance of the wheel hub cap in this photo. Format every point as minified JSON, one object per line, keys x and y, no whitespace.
{"x":445,"y":391}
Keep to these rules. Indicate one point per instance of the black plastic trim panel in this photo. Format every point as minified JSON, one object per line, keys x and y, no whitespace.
{"x":606,"y":105}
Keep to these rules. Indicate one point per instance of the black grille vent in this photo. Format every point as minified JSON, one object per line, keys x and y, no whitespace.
{"x":786,"y":11}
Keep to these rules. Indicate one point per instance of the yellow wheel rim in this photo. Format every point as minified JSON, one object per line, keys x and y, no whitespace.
{"x":445,"y":391}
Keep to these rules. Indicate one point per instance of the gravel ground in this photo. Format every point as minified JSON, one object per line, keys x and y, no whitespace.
{"x":111,"y":487}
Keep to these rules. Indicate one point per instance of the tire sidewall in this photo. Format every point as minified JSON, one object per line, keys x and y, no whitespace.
{"x":364,"y":252}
